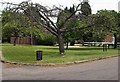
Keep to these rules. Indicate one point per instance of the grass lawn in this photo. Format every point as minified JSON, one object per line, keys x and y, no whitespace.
{"x":27,"y":54}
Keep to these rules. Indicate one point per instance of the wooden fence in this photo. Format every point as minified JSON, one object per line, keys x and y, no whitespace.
{"x":23,"y":40}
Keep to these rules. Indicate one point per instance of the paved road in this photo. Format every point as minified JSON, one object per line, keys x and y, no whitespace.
{"x":106,"y":69}
{"x":0,"y":65}
{"x":0,"y":71}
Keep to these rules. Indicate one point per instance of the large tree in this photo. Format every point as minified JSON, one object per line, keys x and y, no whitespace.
{"x":45,"y":17}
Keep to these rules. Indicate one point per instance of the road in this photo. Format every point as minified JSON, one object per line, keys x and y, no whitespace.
{"x":0,"y":65}
{"x":106,"y":69}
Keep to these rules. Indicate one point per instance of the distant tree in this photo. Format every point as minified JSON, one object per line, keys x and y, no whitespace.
{"x":86,"y":8}
{"x":17,"y":24}
{"x":85,"y":11}
{"x":11,"y":25}
{"x":109,"y":22}
{"x":84,"y":20}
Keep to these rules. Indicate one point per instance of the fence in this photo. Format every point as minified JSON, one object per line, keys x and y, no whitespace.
{"x":23,"y":40}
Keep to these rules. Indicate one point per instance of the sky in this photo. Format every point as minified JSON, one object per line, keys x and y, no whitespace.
{"x":95,"y":4}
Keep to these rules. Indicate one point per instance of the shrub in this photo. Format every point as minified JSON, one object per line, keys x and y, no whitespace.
{"x":46,"y":39}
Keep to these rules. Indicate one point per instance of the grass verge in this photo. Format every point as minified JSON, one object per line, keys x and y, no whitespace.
{"x":27,"y":54}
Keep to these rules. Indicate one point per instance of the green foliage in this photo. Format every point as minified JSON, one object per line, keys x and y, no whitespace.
{"x":62,"y":17}
{"x":46,"y":39}
{"x":12,"y":24}
{"x":84,"y":20}
{"x":108,"y":20}
{"x":85,"y":8}
{"x":17,"y":24}
{"x":103,"y":22}
{"x":118,"y":22}
{"x":68,"y":36}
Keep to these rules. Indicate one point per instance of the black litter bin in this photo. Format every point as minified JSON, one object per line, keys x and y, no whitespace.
{"x":39,"y":55}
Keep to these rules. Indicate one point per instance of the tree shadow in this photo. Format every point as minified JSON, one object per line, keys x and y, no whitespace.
{"x":84,"y":48}
{"x":6,"y":44}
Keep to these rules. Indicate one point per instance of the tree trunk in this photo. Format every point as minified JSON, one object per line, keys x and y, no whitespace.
{"x":67,"y":45}
{"x":61,"y":44}
{"x":31,"y":39}
{"x":14,"y":44}
{"x":72,"y":43}
{"x":115,"y":43}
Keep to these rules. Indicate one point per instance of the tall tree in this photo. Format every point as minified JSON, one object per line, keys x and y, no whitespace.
{"x":84,"y":18}
{"x":86,"y":8}
{"x":85,"y":11}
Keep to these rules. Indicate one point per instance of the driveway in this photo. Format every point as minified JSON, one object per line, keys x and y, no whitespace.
{"x":106,"y":69}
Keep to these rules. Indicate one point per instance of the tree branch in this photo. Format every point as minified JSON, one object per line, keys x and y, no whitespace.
{"x":74,"y":29}
{"x":47,"y":20}
{"x":70,"y":16}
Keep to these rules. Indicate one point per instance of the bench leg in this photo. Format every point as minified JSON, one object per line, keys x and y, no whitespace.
{"x":104,"y":47}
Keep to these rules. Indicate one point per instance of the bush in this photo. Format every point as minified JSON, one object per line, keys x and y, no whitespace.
{"x":46,"y":39}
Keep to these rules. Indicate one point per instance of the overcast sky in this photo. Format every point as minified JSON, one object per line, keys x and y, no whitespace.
{"x":95,"y":4}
